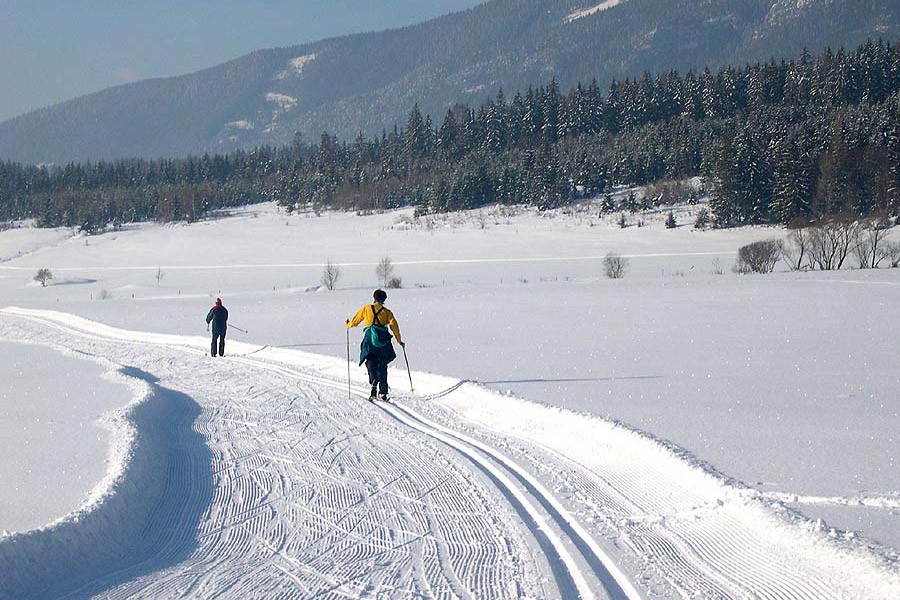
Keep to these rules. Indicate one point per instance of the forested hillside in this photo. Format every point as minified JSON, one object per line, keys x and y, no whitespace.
{"x":363,"y":83}
{"x":775,"y":141}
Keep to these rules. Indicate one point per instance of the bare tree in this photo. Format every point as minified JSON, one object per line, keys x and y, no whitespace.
{"x":160,"y":275}
{"x":830,"y":243}
{"x":759,"y":257}
{"x":385,"y":271}
{"x":43,"y":276}
{"x":796,"y":247}
{"x":331,"y":274}
{"x":615,"y":265}
{"x":890,"y":251}
{"x":869,"y":238}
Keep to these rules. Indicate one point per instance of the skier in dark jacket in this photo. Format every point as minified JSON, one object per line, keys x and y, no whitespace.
{"x":376,"y":349}
{"x":218,"y":316}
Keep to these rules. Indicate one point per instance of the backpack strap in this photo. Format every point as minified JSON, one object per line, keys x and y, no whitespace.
{"x":375,"y":314}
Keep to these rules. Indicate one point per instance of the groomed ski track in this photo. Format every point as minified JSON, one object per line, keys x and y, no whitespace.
{"x":255,"y":476}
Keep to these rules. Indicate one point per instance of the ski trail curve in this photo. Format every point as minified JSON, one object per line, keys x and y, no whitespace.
{"x":448,"y":496}
{"x":315,"y":497}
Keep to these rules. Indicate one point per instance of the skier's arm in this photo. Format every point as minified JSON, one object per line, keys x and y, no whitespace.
{"x":225,"y":310}
{"x":395,"y":328}
{"x":209,"y":316}
{"x":357,"y":318}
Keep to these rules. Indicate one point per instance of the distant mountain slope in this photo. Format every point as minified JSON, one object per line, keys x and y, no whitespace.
{"x":369,"y":81}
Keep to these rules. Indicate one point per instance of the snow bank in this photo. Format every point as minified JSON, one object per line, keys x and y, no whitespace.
{"x":586,"y":12}
{"x":109,"y":524}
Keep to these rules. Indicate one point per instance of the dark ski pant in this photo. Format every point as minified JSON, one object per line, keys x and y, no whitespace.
{"x":218,"y":338}
{"x":377,"y":368}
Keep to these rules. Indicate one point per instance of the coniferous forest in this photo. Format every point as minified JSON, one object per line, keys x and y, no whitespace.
{"x":775,"y":142}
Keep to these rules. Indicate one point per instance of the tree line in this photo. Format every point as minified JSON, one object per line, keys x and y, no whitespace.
{"x":776,"y":142}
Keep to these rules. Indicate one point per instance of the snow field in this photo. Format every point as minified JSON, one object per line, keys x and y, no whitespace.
{"x":674,"y":527}
{"x":784,"y":382}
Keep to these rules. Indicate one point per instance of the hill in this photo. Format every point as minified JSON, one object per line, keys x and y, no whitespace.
{"x":361,"y":83}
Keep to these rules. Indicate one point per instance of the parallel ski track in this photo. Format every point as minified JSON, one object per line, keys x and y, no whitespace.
{"x":699,"y":548}
{"x":247,"y":484}
{"x":572,"y":580}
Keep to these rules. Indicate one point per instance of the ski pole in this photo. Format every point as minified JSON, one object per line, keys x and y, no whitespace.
{"x":412,"y":390}
{"x":239,"y":329}
{"x":349,"y":392}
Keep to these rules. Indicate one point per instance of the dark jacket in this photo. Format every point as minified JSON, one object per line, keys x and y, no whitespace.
{"x":218,"y":316}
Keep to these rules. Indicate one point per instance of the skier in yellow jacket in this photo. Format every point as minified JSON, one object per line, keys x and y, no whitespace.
{"x":376,"y":349}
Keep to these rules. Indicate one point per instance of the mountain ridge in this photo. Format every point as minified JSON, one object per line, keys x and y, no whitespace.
{"x":365,"y":82}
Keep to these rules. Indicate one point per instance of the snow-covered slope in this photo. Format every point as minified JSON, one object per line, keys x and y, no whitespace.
{"x":586,"y":12}
{"x":665,"y":426}
{"x":457,"y":492}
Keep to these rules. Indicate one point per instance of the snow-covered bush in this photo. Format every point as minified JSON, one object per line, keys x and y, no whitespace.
{"x":671,"y":223}
{"x":43,"y":276}
{"x":703,"y":219}
{"x":615,"y":265}
{"x":331,"y":274}
{"x":384,"y":271}
{"x":759,"y":257}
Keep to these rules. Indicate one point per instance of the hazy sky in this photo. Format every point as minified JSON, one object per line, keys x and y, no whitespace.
{"x":54,"y":50}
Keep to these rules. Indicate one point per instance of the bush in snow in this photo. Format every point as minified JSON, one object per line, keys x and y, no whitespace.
{"x":394,"y":283}
{"x":796,"y":247}
{"x":703,"y":220}
{"x":831,"y":242}
{"x":43,"y":276}
{"x":615,"y":265}
{"x":869,"y":244}
{"x":759,"y":257}
{"x":623,"y":222}
{"x":891,"y":251}
{"x":384,"y":271}
{"x":331,"y":274}
{"x":671,"y":223}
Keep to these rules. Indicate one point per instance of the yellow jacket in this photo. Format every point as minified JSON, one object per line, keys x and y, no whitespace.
{"x":365,"y":316}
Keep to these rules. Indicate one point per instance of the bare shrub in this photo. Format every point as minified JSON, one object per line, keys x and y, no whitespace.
{"x":384,"y":271}
{"x":104,"y":294}
{"x":331,"y":274}
{"x":759,"y":257}
{"x":796,"y":247}
{"x":394,"y":283}
{"x":43,"y":276}
{"x":830,"y":243}
{"x":717,"y":267}
{"x":869,"y":237}
{"x":667,"y":193}
{"x":615,"y":265}
{"x":160,"y":275}
{"x":891,"y":252}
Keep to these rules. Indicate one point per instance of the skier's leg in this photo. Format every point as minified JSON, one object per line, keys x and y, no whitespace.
{"x":212,"y":346}
{"x":382,"y":377}
{"x":222,"y":345}
{"x":371,"y":368}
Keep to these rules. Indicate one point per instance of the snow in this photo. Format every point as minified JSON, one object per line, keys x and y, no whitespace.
{"x":586,"y":12}
{"x":242,"y":124}
{"x":300,"y":62}
{"x":676,"y":433}
{"x":50,"y":399}
{"x":284,"y":101}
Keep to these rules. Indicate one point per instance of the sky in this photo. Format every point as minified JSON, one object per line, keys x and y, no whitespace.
{"x":54,"y":50}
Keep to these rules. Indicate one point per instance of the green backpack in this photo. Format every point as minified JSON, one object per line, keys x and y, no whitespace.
{"x":379,"y":336}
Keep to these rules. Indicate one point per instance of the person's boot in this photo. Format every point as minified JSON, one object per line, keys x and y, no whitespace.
{"x":373,"y":393}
